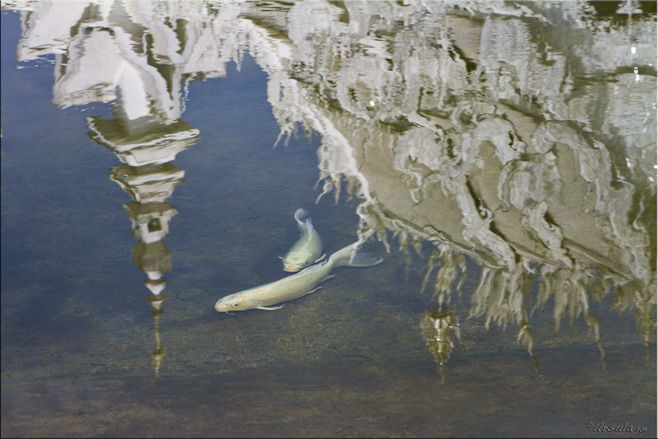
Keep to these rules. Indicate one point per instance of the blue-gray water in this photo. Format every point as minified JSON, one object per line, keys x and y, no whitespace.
{"x":91,"y":350}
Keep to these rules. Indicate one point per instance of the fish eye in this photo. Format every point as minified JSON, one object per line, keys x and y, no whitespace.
{"x":235,"y":304}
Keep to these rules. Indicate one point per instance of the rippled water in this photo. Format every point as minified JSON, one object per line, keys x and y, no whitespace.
{"x":504,"y":154}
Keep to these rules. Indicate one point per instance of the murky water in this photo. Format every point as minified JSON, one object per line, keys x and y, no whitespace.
{"x":504,"y":154}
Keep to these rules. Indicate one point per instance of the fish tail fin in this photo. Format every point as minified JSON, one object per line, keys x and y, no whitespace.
{"x":300,"y":214}
{"x":349,"y":256}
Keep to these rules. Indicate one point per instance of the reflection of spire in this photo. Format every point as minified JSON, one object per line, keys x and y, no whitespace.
{"x":147,"y":146}
{"x":150,"y":179}
{"x":156,"y":299}
{"x":441,"y":329}
{"x":140,"y":58}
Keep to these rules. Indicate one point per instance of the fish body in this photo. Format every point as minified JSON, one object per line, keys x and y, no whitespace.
{"x":308,"y":247}
{"x":296,"y":285}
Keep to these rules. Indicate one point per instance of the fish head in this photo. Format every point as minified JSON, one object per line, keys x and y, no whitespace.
{"x":296,"y":261}
{"x":234,"y":302}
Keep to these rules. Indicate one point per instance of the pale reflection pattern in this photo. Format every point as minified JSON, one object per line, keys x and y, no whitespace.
{"x":522,"y":135}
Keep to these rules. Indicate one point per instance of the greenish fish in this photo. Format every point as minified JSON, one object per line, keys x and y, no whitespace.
{"x":308,"y":247}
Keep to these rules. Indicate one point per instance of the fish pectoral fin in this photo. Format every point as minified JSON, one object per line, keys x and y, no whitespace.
{"x":270,"y":308}
{"x":314,"y":289}
{"x":320,"y":258}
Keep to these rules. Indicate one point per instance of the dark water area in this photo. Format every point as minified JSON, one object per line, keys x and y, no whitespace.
{"x":116,"y":246}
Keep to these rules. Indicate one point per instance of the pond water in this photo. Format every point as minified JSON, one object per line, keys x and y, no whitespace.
{"x":502,"y":155}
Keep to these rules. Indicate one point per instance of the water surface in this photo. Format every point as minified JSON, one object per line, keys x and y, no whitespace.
{"x":503,"y":154}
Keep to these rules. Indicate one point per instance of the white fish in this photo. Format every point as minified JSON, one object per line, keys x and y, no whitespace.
{"x":307,"y":249}
{"x":295,"y":285}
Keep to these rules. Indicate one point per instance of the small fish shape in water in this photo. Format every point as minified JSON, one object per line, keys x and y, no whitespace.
{"x":296,"y":285}
{"x":307,"y":249}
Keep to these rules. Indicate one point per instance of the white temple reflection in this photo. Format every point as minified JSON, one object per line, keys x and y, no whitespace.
{"x":520,"y":134}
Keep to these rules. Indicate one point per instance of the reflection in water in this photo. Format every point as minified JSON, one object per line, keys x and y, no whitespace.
{"x":441,"y":330}
{"x":520,"y":134}
{"x":150,"y":179}
{"x":518,"y":141}
{"x":147,"y":144}
{"x":114,"y":53}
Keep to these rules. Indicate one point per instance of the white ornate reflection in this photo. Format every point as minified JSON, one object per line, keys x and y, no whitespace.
{"x":520,"y":134}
